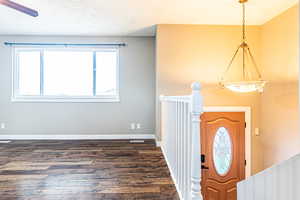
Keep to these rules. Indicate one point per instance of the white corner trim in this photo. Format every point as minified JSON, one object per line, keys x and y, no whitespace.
{"x":247,"y":111}
{"x":78,"y":137}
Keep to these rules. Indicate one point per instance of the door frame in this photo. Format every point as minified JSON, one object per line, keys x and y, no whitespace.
{"x":247,"y":111}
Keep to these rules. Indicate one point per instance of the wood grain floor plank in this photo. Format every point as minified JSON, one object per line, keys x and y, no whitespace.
{"x":87,"y":170}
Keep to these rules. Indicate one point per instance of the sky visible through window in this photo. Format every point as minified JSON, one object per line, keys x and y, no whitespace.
{"x":67,"y":73}
{"x":29,"y":73}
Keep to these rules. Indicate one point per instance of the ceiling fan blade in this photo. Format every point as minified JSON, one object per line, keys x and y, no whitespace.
{"x":19,"y":7}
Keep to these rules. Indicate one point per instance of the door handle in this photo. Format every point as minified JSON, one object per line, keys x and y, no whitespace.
{"x":204,"y":167}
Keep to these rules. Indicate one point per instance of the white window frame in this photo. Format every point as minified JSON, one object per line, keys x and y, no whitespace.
{"x":16,"y":97}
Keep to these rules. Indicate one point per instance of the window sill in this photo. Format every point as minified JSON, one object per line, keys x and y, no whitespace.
{"x":65,"y":99}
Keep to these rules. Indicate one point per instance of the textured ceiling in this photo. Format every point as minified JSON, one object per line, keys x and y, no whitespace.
{"x":130,"y":17}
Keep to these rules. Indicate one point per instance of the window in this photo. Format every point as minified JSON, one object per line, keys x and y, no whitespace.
{"x":70,"y":74}
{"x":222,"y":152}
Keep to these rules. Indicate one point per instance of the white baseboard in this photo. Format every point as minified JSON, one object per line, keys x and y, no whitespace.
{"x":172,"y":174}
{"x":78,"y":137}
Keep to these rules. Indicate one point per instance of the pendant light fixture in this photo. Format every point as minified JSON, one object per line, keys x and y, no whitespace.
{"x":251,"y":79}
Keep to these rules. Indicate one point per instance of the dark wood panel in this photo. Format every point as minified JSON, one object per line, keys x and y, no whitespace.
{"x":88,"y":170}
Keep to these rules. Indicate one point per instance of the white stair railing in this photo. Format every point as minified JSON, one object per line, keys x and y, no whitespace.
{"x":280,"y":182}
{"x":180,"y":127}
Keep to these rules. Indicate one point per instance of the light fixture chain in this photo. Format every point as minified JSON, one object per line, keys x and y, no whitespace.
{"x":254,"y":63}
{"x":244,"y":22}
{"x":248,"y":71}
{"x":244,"y":40}
{"x":231,"y":61}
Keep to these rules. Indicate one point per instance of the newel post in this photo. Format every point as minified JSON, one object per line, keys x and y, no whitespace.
{"x":196,"y":109}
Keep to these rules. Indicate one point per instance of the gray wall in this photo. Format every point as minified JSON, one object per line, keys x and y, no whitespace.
{"x":137,"y":93}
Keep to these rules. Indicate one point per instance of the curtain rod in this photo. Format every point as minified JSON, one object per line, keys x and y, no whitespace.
{"x":61,"y":44}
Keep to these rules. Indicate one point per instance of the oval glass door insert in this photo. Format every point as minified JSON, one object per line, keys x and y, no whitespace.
{"x":222,"y":151}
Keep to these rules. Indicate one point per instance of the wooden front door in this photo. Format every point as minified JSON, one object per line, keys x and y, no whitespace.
{"x":223,"y":154}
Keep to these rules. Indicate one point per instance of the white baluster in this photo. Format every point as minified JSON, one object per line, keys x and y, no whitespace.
{"x":269,"y":181}
{"x":176,"y":144}
{"x":241,"y":191}
{"x":189,"y":150}
{"x":185,"y":177}
{"x":181,"y":147}
{"x":290,"y":179}
{"x":259,"y":187}
{"x":296,"y":177}
{"x":283,"y":181}
{"x":196,"y":108}
{"x":249,"y":189}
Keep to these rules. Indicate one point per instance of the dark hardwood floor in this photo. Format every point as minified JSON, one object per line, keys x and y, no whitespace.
{"x":83,"y":170}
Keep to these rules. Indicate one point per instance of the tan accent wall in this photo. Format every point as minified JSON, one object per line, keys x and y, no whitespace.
{"x":187,"y":53}
{"x":279,"y":47}
{"x":280,"y":135}
{"x":279,"y":103}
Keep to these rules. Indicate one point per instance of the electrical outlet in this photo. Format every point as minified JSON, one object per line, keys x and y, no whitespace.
{"x":132,"y":126}
{"x":2,"y":126}
{"x":138,"y":126}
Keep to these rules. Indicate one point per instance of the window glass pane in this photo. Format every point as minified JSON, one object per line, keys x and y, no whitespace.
{"x":68,"y":73}
{"x":106,"y":81}
{"x":222,"y":153}
{"x":29,"y":73}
